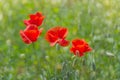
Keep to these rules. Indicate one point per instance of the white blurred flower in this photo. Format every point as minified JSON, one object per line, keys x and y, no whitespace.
{"x":22,"y":55}
{"x":47,"y":57}
{"x":8,"y":42}
{"x":110,"y":54}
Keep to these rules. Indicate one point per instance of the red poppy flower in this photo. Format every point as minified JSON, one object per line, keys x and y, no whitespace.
{"x":57,"y":35}
{"x":35,"y":19}
{"x":79,"y":47}
{"x":30,"y":34}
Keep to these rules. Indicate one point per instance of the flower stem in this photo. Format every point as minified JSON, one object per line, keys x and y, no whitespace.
{"x":36,"y":60}
{"x":33,"y":46}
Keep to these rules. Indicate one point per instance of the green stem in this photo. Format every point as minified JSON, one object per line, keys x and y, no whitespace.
{"x":93,"y":63}
{"x":36,"y":60}
{"x":34,"y":51}
{"x":57,"y":47}
{"x":33,"y":46}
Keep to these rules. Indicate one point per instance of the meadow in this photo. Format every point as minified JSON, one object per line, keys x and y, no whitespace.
{"x":96,"y":21}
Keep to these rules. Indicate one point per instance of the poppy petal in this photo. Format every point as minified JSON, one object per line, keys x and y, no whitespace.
{"x":57,"y":35}
{"x":51,"y":37}
{"x":31,"y":27}
{"x":80,"y":46}
{"x":62,"y":32}
{"x":39,"y":14}
{"x":26,"y":22}
{"x":76,"y":42}
{"x":32,"y":34}
{"x":64,"y":42}
{"x":32,"y":16}
{"x":35,"y":19}
{"x":53,"y":43}
{"x":25,"y":38}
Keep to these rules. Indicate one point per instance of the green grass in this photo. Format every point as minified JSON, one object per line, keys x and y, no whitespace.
{"x":97,"y":21}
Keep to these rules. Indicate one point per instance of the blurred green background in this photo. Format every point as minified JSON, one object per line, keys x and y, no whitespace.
{"x":97,"y":21}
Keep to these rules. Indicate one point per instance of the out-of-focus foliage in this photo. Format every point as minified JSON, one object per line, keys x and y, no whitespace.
{"x":97,"y":21}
